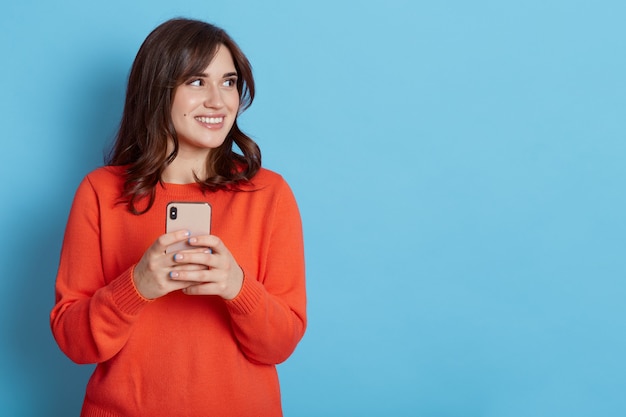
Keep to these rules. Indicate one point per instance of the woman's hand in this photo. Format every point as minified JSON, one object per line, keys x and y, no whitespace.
{"x":215,"y":270}
{"x":209,"y":269}
{"x":154,"y":272}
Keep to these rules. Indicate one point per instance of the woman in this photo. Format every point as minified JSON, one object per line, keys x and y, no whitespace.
{"x":197,"y":332}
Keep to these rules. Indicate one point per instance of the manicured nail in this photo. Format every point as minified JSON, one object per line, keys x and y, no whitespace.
{"x":173,"y":274}
{"x":193,"y":240}
{"x":178,"y":257}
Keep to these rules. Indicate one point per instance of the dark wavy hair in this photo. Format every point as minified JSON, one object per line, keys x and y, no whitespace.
{"x":174,"y":51}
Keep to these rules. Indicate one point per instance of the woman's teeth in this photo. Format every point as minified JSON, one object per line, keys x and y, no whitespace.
{"x":210,"y":120}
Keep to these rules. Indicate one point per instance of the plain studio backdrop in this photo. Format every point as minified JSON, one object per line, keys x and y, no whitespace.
{"x":460,"y":170}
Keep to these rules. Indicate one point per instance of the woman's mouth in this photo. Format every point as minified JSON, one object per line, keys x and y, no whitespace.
{"x":210,"y":120}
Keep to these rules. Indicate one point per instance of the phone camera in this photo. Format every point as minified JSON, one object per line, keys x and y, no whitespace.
{"x":173,"y":213}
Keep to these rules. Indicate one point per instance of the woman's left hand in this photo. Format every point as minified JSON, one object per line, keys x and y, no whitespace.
{"x":223,"y":276}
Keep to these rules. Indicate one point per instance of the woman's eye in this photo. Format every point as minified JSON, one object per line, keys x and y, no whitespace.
{"x":231,"y":82}
{"x":196,"y":83}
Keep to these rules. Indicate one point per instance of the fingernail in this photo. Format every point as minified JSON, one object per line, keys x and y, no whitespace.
{"x":178,"y":257}
{"x":193,"y":240}
{"x":187,"y":233}
{"x":173,"y":274}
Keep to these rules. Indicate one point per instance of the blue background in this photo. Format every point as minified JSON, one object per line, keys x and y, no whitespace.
{"x":460,"y":169}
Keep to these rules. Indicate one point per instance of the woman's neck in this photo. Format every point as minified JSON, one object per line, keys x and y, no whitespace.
{"x":184,"y":171}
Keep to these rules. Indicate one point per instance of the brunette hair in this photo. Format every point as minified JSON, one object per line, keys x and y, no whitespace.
{"x":174,"y":51}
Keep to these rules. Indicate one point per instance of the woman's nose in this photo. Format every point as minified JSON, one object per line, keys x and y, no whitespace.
{"x":213,"y":97}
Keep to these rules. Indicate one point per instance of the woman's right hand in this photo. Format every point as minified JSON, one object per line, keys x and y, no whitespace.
{"x":152,"y":272}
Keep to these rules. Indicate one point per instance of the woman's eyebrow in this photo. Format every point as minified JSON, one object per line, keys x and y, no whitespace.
{"x":205,"y":75}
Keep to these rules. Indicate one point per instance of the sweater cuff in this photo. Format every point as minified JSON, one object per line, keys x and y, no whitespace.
{"x":125,"y":295}
{"x":248,"y":299}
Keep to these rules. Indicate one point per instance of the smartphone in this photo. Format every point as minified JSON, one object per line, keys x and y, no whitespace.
{"x":192,"y":216}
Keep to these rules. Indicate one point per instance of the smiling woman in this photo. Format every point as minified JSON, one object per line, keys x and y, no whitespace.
{"x":203,"y":112}
{"x":198,"y":331}
{"x":184,"y":59}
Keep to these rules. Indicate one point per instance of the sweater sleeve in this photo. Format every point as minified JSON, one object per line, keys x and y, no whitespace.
{"x":92,"y":319}
{"x":269,"y":313}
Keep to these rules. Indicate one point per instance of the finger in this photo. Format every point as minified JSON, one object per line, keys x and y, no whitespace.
{"x":203,"y":257}
{"x":213,"y":288}
{"x":175,"y":284}
{"x":168,"y":239}
{"x":209,"y":288}
{"x":191,"y":276}
{"x":208,"y":241}
{"x":188,"y":267}
{"x":195,"y":250}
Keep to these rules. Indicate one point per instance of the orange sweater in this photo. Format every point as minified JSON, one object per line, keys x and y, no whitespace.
{"x":180,"y":355}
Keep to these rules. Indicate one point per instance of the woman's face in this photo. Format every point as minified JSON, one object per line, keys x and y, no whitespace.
{"x":205,"y":106}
